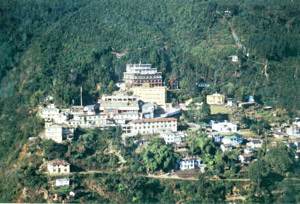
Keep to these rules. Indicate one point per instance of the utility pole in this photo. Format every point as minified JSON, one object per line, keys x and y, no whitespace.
{"x":81,"y":96}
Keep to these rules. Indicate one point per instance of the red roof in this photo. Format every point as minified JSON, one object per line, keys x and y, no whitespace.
{"x":153,"y":120}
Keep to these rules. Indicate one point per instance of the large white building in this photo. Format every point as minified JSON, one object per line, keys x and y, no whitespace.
{"x":223,"y":126}
{"x":54,"y":132}
{"x":139,"y":74}
{"x":49,"y":113}
{"x":57,"y":132}
{"x":120,"y":107}
{"x":150,"y":126}
{"x":149,"y":94}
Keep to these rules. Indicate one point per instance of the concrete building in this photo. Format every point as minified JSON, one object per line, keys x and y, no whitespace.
{"x":255,"y":144}
{"x":189,"y":163}
{"x":173,"y":137}
{"x":54,"y":132}
{"x":150,"y":126}
{"x":149,"y":94}
{"x":58,"y":133}
{"x":245,"y":158}
{"x":248,"y":151}
{"x":223,"y":126}
{"x":58,"y":166}
{"x":77,"y":110}
{"x":120,"y":107}
{"x":232,"y":102}
{"x":215,"y":99}
{"x":148,"y":110}
{"x":226,"y":147}
{"x":49,"y":113}
{"x":293,"y":130}
{"x":140,"y":74}
{"x":233,"y":140}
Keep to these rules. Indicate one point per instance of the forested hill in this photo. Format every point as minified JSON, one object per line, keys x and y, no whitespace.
{"x":54,"y":47}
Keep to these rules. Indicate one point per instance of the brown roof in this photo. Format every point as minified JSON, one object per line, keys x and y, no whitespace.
{"x":152,"y":120}
{"x":58,"y":162}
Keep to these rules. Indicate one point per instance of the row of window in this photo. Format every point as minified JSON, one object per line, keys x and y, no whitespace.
{"x":157,"y":126}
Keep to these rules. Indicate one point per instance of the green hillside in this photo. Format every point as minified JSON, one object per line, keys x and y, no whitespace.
{"x":54,"y":47}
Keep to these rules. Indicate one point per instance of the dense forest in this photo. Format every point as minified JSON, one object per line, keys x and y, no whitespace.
{"x":55,"y":47}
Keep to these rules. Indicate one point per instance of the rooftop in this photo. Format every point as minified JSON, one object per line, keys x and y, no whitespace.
{"x":58,"y":162}
{"x":232,"y":136}
{"x":152,"y":120}
{"x":115,"y":104}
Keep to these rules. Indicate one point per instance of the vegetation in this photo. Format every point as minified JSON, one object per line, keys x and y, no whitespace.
{"x":158,"y":156}
{"x":55,"y":47}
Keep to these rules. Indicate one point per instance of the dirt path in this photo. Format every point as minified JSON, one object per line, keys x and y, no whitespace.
{"x":235,"y":36}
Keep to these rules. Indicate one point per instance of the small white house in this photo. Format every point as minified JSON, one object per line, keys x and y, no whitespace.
{"x":245,"y":158}
{"x":223,"y":126}
{"x":188,"y":163}
{"x":62,"y":182}
{"x":172,"y":137}
{"x":217,"y":138}
{"x":279,"y":134}
{"x":234,"y":58}
{"x":233,"y":140}
{"x":255,"y":144}
{"x":226,"y":147}
{"x":248,"y":151}
{"x":58,"y":166}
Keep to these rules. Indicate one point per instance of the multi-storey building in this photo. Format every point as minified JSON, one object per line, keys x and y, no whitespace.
{"x":191,"y":163}
{"x":233,"y":140}
{"x":223,"y":126}
{"x":150,"y":126}
{"x":172,"y":137}
{"x":148,"y":110}
{"x":49,"y":113}
{"x":54,"y":132}
{"x":58,"y":133}
{"x":120,"y":107}
{"x":139,"y":74}
{"x":149,"y":94}
{"x":215,"y":99}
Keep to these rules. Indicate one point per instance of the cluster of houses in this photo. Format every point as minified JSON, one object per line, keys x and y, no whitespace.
{"x":139,"y":107}
{"x":134,"y":108}
{"x":292,"y":131}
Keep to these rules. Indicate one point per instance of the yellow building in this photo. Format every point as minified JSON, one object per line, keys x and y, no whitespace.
{"x":215,"y":99}
{"x":149,"y":94}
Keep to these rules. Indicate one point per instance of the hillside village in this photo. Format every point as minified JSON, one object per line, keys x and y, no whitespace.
{"x":141,"y":110}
